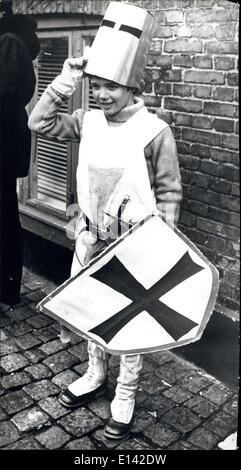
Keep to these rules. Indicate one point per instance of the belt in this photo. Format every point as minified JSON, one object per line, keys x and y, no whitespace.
{"x":111,"y":232}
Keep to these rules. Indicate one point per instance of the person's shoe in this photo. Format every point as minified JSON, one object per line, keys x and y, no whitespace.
{"x":69,"y":400}
{"x":116,"y":430}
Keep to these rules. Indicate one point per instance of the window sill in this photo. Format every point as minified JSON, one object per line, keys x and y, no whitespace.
{"x":45,"y":226}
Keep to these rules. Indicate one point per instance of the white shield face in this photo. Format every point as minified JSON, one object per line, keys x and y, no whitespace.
{"x":119,"y":51}
{"x":151,"y":290}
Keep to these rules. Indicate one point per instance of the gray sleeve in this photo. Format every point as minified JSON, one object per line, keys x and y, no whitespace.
{"x":167,"y":179}
{"x":47,"y":120}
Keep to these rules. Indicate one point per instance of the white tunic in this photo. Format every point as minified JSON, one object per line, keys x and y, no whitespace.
{"x":112,"y":166}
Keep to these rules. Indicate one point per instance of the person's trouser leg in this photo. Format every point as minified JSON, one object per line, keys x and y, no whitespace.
{"x":122,"y":406}
{"x":96,"y":372}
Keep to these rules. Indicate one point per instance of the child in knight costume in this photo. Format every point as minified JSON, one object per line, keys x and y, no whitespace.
{"x":127,"y":159}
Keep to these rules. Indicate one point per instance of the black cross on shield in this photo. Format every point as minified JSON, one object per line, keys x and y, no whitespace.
{"x":115,"y":275}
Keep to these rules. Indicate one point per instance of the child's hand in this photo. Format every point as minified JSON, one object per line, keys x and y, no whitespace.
{"x":71,"y":74}
{"x":73,"y":68}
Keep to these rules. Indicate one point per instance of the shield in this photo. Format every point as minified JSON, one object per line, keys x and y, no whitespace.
{"x":150,"y":290}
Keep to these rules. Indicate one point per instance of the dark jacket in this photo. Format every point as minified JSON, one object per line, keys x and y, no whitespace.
{"x":19,"y":45}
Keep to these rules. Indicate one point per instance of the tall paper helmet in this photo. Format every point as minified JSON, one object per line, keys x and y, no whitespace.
{"x":119,"y":51}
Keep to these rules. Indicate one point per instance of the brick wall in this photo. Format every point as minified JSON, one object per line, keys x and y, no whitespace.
{"x":191,"y":80}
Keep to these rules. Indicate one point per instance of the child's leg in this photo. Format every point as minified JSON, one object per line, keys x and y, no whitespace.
{"x":83,"y":389}
{"x":122,"y":406}
{"x":96,"y":372}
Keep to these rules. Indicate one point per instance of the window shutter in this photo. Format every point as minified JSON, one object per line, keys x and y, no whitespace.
{"x":51,"y":155}
{"x":92,"y":104}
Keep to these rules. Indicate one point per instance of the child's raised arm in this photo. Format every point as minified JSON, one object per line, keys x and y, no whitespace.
{"x":45,"y":118}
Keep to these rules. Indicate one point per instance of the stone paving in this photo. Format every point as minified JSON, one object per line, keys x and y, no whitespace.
{"x":179,"y":406}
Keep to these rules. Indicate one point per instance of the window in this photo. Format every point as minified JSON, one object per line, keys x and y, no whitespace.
{"x":51,"y":187}
{"x":51,"y":162}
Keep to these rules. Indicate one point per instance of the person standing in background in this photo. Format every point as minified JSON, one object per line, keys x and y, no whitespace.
{"x":19,"y":46}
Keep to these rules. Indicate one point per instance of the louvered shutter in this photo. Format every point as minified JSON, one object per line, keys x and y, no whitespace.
{"x":51,"y":155}
{"x":92,"y":104}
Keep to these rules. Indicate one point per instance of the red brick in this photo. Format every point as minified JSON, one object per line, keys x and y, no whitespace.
{"x":183,"y":3}
{"x":152,"y":60}
{"x":152,"y":100}
{"x":176,"y":132}
{"x":231,"y":142}
{"x":232,"y":278}
{"x":230,"y":203}
{"x":236,"y":97}
{"x":221,"y":47}
{"x":198,"y":208}
{"x":224,"y":63}
{"x":171,"y":75}
{"x":182,"y":60}
{"x":183,"y":31}
{"x":149,"y":4}
{"x":225,"y":31}
{"x":163,"y":31}
{"x":235,"y":189}
{"x":187,"y":219}
{"x":200,"y":150}
{"x":181,"y":45}
{"x":165,"y":61}
{"x":210,"y":167}
{"x":232,"y":79}
{"x":213,"y":227}
{"x":223,"y":94}
{"x":227,"y":262}
{"x":219,"y":214}
{"x":184,"y":148}
{"x":233,"y":249}
{"x":235,"y":219}
{"x":178,"y":104}
{"x":185,"y":175}
{"x":229,"y":172}
{"x":230,"y":304}
{"x":218,"y":109}
{"x":226,"y":289}
{"x":237,"y":127}
{"x":201,"y":122}
{"x":198,"y":194}
{"x":202,"y":137}
{"x":156,"y":45}
{"x":223,"y":125}
{"x":215,"y":243}
{"x":213,"y":78}
{"x":181,"y":119}
{"x":211,"y":15}
{"x":162,"y":88}
{"x":225,"y":156}
{"x":202,"y":62}
{"x":182,"y":90}
{"x":160,"y":17}
{"x":197,"y":179}
{"x":167,"y":4}
{"x":165,"y":115}
{"x":202,"y":91}
{"x":203,"y":31}
{"x":188,"y":162}
{"x":204,"y":3}
{"x":220,"y":186}
{"x":148,"y":87}
{"x":175,"y":16}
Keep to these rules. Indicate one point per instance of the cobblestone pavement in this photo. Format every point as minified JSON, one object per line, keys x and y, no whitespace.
{"x":179,"y":406}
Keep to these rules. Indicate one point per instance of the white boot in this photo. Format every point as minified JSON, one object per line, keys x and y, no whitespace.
{"x":122,"y":406}
{"x":96,"y":372}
